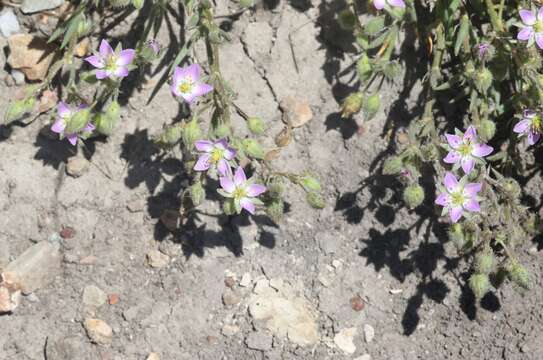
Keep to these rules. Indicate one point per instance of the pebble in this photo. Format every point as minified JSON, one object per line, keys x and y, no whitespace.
{"x":229,"y":330}
{"x":396,"y":291}
{"x":34,"y":6}
{"x":369,"y":333}
{"x":93,"y":298}
{"x":88,"y":260}
{"x":136,"y":205}
{"x":10,"y":299}
{"x":98,"y":331}
{"x":153,"y":356}
{"x":259,"y":341}
{"x":329,"y":243}
{"x":9,"y":24}
{"x":30,"y":54}
{"x":246,"y":280}
{"x":113,"y":299}
{"x":230,"y":298}
{"x":364,"y":357}
{"x":336,"y":264}
{"x":344,"y":340}
{"x":230,"y":281}
{"x":297,"y":112}
{"x":357,"y":304}
{"x":261,"y":286}
{"x":18,"y":77}
{"x":156,"y":259}
{"x":77,"y":166}
{"x":131,"y":314}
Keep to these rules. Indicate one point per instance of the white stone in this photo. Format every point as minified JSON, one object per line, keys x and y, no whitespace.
{"x":369,"y":333}
{"x":9,"y":24}
{"x":246,"y":280}
{"x":33,"y":6}
{"x":364,"y":357}
{"x":344,"y":340}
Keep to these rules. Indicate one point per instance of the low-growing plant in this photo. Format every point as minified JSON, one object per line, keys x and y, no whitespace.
{"x":479,"y":64}
{"x":210,"y":147}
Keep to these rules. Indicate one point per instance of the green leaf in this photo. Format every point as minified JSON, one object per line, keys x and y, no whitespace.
{"x":463,"y":33}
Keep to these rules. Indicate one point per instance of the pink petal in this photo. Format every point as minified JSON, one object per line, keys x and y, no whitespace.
{"x":63,"y":110}
{"x":58,"y":126}
{"x":467,"y":164}
{"x":450,"y":181}
{"x":193,"y":71}
{"x":481,"y":150}
{"x":455,"y":213}
{"x":522,"y":126}
{"x":452,"y":157}
{"x":95,"y":61}
{"x":525,"y":34}
{"x":105,"y":49}
{"x":379,"y":4}
{"x":221,"y":144}
{"x":121,"y":72}
{"x":254,"y":190}
{"x":179,"y":74}
{"x":72,"y":138}
{"x":175,"y":88}
{"x":470,"y":134}
{"x":89,"y":127}
{"x":442,"y":199}
{"x":229,"y":153}
{"x":189,"y":98}
{"x":102,"y":74}
{"x":239,"y":176}
{"x":202,"y":89}
{"x":471,"y":189}
{"x":539,"y":40}
{"x":527,"y":16}
{"x":454,"y":140}
{"x":227,"y":184}
{"x":540,"y":14}
{"x":223,"y":167}
{"x":203,"y":145}
{"x":247,"y":205}
{"x":125,"y":57}
{"x":397,"y":3}
{"x":203,"y":163}
{"x":472,"y":205}
{"x":533,"y":137}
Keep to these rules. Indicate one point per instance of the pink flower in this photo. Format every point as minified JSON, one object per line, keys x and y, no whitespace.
{"x":529,"y":125}
{"x":458,"y":198}
{"x":465,"y":151}
{"x":214,"y":153}
{"x":186,"y":83}
{"x":64,"y":116}
{"x":242,"y":191}
{"x":380,"y":4}
{"x":533,"y":29}
{"x":111,"y":64}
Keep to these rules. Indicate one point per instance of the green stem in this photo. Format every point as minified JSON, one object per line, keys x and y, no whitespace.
{"x":495,"y":19}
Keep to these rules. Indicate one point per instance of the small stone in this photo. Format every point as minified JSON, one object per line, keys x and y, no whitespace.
{"x":336,"y":264}
{"x":246,"y":280}
{"x":295,"y":111}
{"x":10,"y":299}
{"x":8,"y":80}
{"x":533,"y":250}
{"x":77,"y":166}
{"x":136,"y":205}
{"x":324,"y":280}
{"x":277,"y":284}
{"x":131,"y":314}
{"x":18,"y":77}
{"x":35,"y":268}
{"x":369,"y":333}
{"x":64,"y":348}
{"x":67,"y":232}
{"x":153,"y":356}
{"x":364,"y":357}
{"x":329,"y":243}
{"x":259,"y":341}
{"x":88,"y":260}
{"x":156,"y":259}
{"x":229,"y":330}
{"x":344,"y":340}
{"x":98,"y":331}
{"x":34,"y":6}
{"x":212,"y":340}
{"x":82,"y":48}
{"x":93,"y":297}
{"x":30,"y":54}
{"x":357,"y":304}
{"x":230,"y":298}
{"x":396,"y":291}
{"x":48,"y":100}
{"x":9,"y":24}
{"x":113,"y":299}
{"x":229,"y":281}
{"x":170,"y":219}
{"x":262,"y":286}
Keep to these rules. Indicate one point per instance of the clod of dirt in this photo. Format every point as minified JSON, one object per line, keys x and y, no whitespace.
{"x":229,"y":330}
{"x":369,"y":333}
{"x":48,"y":100}
{"x":344,"y":340}
{"x":67,"y":232}
{"x":230,"y":298}
{"x":93,"y":298}
{"x":153,"y":356}
{"x":357,"y":304}
{"x":156,"y":259}
{"x":98,"y":331}
{"x":82,"y":48}
{"x":259,"y":341}
{"x":34,"y":6}
{"x":9,"y":299}
{"x":246,"y":280}
{"x":113,"y":299}
{"x":32,"y":55}
{"x":230,"y":281}
{"x":77,"y":166}
{"x":296,"y":112}
{"x":35,"y":268}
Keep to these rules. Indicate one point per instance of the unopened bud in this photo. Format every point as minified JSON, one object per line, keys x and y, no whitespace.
{"x":310,"y":183}
{"x":456,"y":235}
{"x":246,"y":3}
{"x":363,"y":67}
{"x":78,"y":121}
{"x":487,"y":130}
{"x":171,"y":135}
{"x":138,"y":4}
{"x":221,"y":131}
{"x":347,"y":19}
{"x":511,"y":188}
{"x":275,"y":209}
{"x":106,"y":122}
{"x":484,"y":262}
{"x":197,"y":193}
{"x":483,"y":80}
{"x":393,"y":166}
{"x":253,"y":148}
{"x":352,"y":104}
{"x":413,"y":195}
{"x":191,"y":133}
{"x":18,"y":108}
{"x":371,"y":106}
{"x":256,"y":125}
{"x":315,"y":200}
{"x":519,"y":275}
{"x":479,"y":284}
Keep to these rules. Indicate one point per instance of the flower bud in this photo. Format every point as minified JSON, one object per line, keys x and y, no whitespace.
{"x":364,"y":68}
{"x":197,"y":193}
{"x":83,"y":26}
{"x":221,"y":131}
{"x":484,"y":262}
{"x":456,"y":235}
{"x":275,"y":188}
{"x":429,"y":152}
{"x":371,"y":106}
{"x":352,"y":104}
{"x":315,"y":200}
{"x":393,"y":166}
{"x":106,"y":122}
{"x":347,"y":19}
{"x":138,"y":4}
{"x":310,"y":183}
{"x":413,"y":195}
{"x":511,"y":188}
{"x":246,"y":3}
{"x":479,"y":284}
{"x":229,"y":207}
{"x":519,"y":275}
{"x":253,"y":148}
{"x":191,"y":132}
{"x":483,"y":80}
{"x":18,"y":108}
{"x":487,"y":130}
{"x":78,"y":121}
{"x":275,"y":209}
{"x":256,"y":125}
{"x":170,"y":136}
{"x":374,"y":25}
